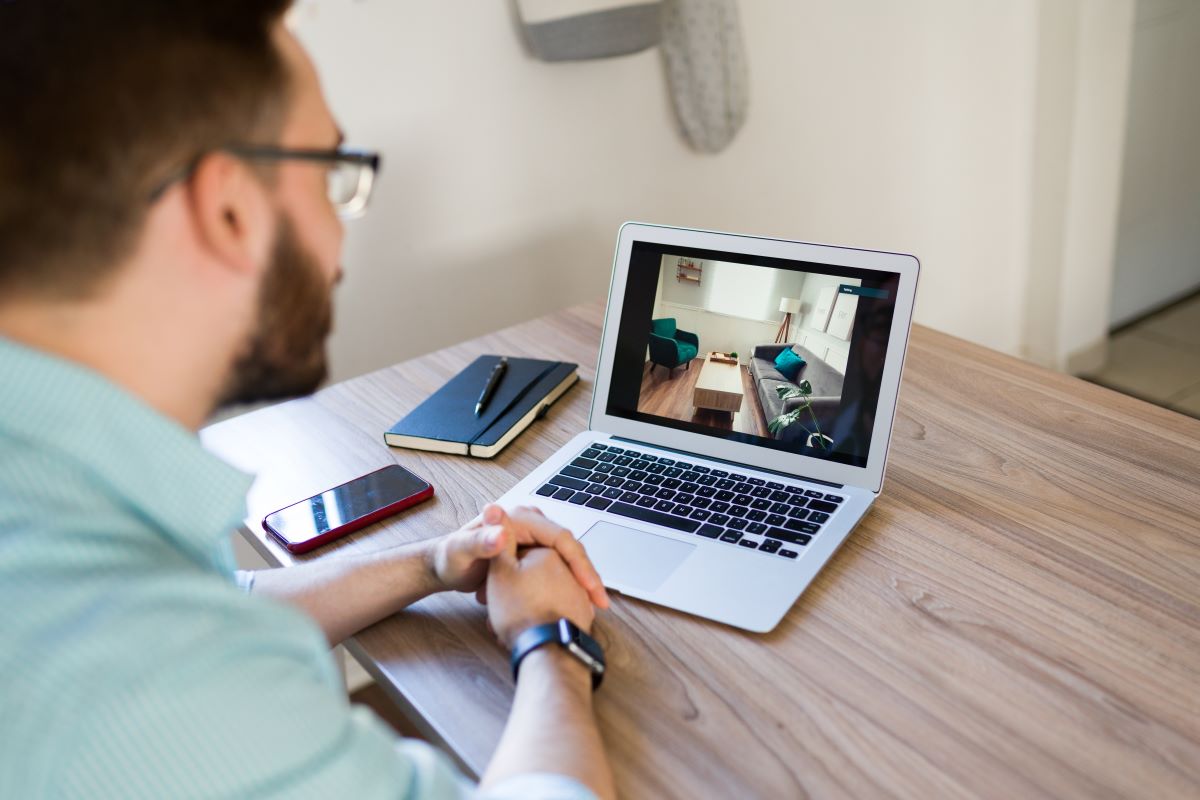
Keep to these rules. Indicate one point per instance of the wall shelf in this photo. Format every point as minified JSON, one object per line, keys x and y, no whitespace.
{"x":688,"y":270}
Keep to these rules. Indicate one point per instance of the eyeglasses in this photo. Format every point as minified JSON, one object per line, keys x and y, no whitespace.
{"x":349,"y":180}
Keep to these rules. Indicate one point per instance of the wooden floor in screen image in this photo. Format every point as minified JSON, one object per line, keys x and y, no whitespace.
{"x":670,"y":394}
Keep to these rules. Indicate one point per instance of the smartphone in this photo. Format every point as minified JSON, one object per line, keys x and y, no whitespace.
{"x":332,"y":514}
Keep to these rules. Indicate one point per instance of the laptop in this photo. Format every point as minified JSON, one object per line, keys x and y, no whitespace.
{"x":740,"y":420}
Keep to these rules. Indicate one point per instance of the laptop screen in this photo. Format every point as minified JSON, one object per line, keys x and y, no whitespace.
{"x":776,"y":353}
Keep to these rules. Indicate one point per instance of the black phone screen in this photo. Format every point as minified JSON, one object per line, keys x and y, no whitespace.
{"x":345,"y":504}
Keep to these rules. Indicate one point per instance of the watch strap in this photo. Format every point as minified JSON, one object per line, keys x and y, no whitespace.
{"x":567,"y":635}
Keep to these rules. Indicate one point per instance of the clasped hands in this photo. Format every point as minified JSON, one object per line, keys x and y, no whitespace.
{"x":525,"y":568}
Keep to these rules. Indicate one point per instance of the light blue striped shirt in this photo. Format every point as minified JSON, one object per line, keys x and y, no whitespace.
{"x":130,"y":663}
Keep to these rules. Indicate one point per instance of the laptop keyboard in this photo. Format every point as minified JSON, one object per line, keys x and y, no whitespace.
{"x":768,"y":516}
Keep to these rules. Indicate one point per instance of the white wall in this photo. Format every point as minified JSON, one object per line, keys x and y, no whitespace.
{"x":1158,"y":238}
{"x":899,"y":126}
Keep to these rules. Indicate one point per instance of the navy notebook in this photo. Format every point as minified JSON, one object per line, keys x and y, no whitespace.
{"x":446,"y":421}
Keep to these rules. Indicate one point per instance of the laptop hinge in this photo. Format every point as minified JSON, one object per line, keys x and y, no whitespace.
{"x":730,"y":463}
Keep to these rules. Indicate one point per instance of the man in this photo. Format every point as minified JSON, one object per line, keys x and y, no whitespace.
{"x":170,"y":182}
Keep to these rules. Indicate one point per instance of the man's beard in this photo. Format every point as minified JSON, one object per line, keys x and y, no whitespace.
{"x":284,"y":356}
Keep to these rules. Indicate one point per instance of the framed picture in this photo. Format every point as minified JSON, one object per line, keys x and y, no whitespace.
{"x":819,"y":317}
{"x":842,"y":321}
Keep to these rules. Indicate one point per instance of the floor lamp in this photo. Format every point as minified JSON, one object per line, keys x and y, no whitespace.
{"x":788,"y":306}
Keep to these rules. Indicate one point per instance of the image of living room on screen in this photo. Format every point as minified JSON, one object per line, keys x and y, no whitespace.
{"x":747,"y":348}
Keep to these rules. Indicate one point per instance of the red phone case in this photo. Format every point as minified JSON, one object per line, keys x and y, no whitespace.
{"x":349,"y":527}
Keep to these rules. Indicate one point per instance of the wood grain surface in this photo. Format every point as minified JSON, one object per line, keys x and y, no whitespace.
{"x":1019,"y":616}
{"x":672,"y":394}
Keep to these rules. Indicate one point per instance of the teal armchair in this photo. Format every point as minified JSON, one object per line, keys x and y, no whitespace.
{"x":671,"y":347}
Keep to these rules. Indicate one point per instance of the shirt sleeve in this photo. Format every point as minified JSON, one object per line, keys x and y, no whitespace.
{"x":537,"y":786}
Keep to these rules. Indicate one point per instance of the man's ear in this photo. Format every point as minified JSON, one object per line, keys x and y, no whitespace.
{"x":232,"y":212}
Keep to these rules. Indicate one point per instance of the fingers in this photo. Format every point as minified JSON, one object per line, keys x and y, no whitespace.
{"x":536,"y":529}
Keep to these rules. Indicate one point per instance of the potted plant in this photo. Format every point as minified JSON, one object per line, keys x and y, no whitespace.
{"x":815,"y":437}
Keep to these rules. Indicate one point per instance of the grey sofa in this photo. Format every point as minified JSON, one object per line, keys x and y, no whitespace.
{"x":826,"y":383}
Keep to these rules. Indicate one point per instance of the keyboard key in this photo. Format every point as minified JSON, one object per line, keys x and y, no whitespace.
{"x":632,"y":486}
{"x":575,"y":472}
{"x":743,"y":488}
{"x":743,"y":499}
{"x":756,"y":528}
{"x":731,"y":536}
{"x":654,"y":517}
{"x":621,"y":472}
{"x":672,"y":483}
{"x":616,"y":450}
{"x":591,"y":452}
{"x":569,"y":482}
{"x":761,"y":492}
{"x":604,"y":468}
{"x":684,"y":498}
{"x":648,"y":457}
{"x":664,"y":505}
{"x":690,"y":475}
{"x":736,"y":511}
{"x":615,"y":482}
{"x":760,"y":504}
{"x":547,"y":490}
{"x":665,"y":494}
{"x":710,"y":531}
{"x":738,"y":524}
{"x":647,"y":501}
{"x":819,"y":517}
{"x":648,"y":488}
{"x":596,"y":488}
{"x":586,"y":463}
{"x":656,"y":480}
{"x":706,"y":491}
{"x":834,"y":498}
{"x":633,"y":454}
{"x":718,"y":519}
{"x":756,"y":481}
{"x":599,"y":447}
{"x":822,"y":505}
{"x":579,"y":498}
{"x":769,"y":546}
{"x":756,"y":515}
{"x":701,"y":469}
{"x":641,"y":463}
{"x":811,"y":493}
{"x":630,"y":497}
{"x":623,"y":461}
{"x":700,"y":514}
{"x":724,"y":483}
{"x":612,"y":494}
{"x":718,"y":507}
{"x":682,"y":510}
{"x":706,"y":480}
{"x":606,"y":457}
{"x":776,"y":519}
{"x":689,"y":487}
{"x":774,"y":485}
{"x":801,"y":527}
{"x":720,"y":473}
{"x":779,"y":496}
{"x":598,"y":477}
{"x":656,"y":469}
{"x":599,"y":502}
{"x":798,"y":500}
{"x":724,"y":496}
{"x":666,"y":461}
{"x":788,"y":553}
{"x":683,"y":465}
{"x":701,"y":502}
{"x":672,"y":472}
{"x":789,"y":536}
{"x":797,"y":513}
{"x":779,"y":508}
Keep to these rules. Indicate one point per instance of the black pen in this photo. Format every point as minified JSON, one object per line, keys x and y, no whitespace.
{"x":493,"y":380}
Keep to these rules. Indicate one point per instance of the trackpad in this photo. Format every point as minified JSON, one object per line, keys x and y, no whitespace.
{"x":627,"y":557}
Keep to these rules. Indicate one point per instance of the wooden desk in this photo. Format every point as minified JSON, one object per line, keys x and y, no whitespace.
{"x":1019,"y":616}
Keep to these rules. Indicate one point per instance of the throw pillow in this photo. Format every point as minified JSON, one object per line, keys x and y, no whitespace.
{"x":789,"y":364}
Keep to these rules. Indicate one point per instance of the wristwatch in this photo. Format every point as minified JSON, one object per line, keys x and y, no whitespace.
{"x":565,"y":633}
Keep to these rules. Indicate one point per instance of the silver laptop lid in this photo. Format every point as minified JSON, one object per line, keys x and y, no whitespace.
{"x":851,"y":313}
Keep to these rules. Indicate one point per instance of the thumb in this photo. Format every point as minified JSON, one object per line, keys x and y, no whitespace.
{"x":487,"y":541}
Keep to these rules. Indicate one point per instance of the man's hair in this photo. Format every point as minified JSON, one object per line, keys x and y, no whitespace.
{"x":105,"y":101}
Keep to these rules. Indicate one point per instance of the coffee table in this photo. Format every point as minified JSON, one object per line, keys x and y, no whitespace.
{"x":719,"y":386}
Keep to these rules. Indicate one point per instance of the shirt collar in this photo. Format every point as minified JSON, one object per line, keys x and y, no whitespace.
{"x":142,"y":457}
